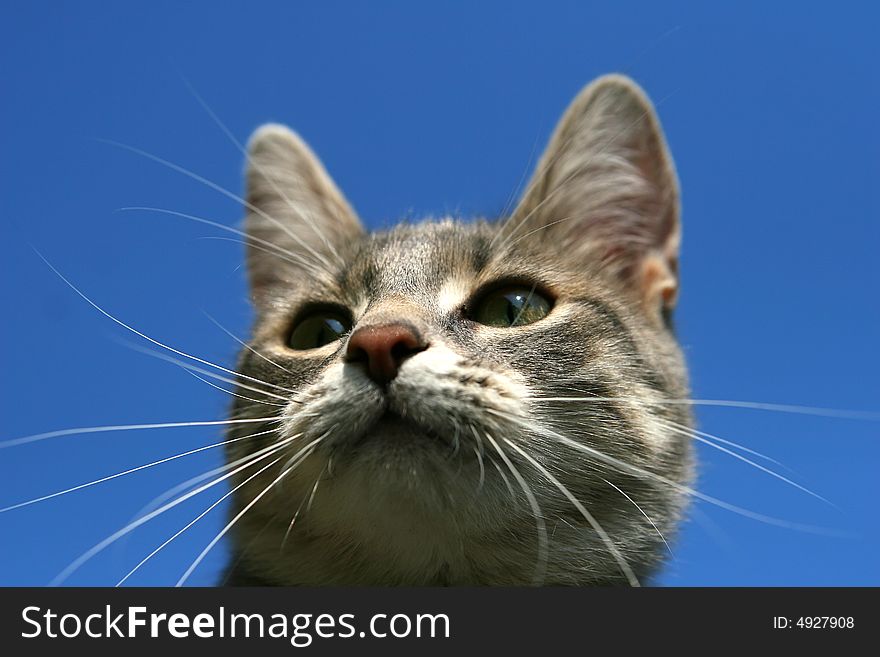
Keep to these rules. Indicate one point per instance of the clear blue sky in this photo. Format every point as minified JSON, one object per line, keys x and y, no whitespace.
{"x":424,"y":108}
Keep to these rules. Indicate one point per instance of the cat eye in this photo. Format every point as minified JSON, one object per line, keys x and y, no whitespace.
{"x":317,"y":329}
{"x":511,"y":306}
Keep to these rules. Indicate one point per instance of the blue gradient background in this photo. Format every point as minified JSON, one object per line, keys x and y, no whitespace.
{"x":771,"y":113}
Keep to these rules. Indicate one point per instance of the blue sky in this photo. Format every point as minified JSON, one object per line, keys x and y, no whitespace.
{"x":421,"y":109}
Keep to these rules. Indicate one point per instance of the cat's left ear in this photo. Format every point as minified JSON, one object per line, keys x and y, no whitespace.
{"x":297,"y":219}
{"x":605,"y":193}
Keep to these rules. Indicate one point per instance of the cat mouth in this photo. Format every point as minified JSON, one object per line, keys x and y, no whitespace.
{"x":393,"y":428}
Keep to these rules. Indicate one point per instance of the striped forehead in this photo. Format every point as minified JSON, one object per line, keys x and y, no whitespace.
{"x":426,"y":262}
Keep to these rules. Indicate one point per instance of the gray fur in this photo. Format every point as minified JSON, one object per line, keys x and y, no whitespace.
{"x":419,"y":501}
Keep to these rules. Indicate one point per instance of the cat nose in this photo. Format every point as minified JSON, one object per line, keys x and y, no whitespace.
{"x":383,"y":348}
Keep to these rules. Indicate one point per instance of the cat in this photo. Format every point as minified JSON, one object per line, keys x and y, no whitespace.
{"x":458,"y":402}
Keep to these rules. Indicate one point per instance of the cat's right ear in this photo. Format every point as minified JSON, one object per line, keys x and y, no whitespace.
{"x":297,"y":219}
{"x":605,"y":194}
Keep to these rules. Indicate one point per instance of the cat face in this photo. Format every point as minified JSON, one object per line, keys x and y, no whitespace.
{"x":466,"y":402}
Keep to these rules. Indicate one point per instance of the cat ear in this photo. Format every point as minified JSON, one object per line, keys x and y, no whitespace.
{"x":605,"y":193}
{"x":297,"y":219}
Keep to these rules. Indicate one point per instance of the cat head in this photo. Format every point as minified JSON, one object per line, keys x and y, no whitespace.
{"x":466,"y":402}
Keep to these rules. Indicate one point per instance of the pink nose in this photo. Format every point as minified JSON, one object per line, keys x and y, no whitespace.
{"x":383,"y":348}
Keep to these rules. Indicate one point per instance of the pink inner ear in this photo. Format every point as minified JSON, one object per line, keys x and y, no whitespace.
{"x":658,"y":283}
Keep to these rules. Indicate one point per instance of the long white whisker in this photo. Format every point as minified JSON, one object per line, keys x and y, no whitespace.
{"x":646,"y":474}
{"x":315,"y":488}
{"x":676,"y":426}
{"x":195,"y":520}
{"x":508,"y":206}
{"x":189,"y":367}
{"x":537,"y":230}
{"x":698,"y":436}
{"x":647,"y":517}
{"x":299,"y":508}
{"x":192,"y":373}
{"x":308,"y":220}
{"x":291,"y":524}
{"x":143,"y":335}
{"x":96,"y":549}
{"x":726,"y":442}
{"x":480,"y":452}
{"x":482,"y":479}
{"x":249,"y":240}
{"x":245,"y":344}
{"x":95,"y":482}
{"x":612,"y":548}
{"x":250,"y":206}
{"x":311,"y":447}
{"x":759,"y":406}
{"x":525,"y":305}
{"x":543,"y":542}
{"x":503,"y":477}
{"x":185,"y":485}
{"x":129,"y":427}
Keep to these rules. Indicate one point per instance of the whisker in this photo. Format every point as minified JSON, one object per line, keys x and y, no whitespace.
{"x":292,"y":523}
{"x":249,"y":240}
{"x":699,"y":436}
{"x":508,"y":205}
{"x":790,"y":408}
{"x":299,"y":508}
{"x":99,"y":547}
{"x":671,"y":425}
{"x":315,"y":488}
{"x":225,"y":192}
{"x":482,"y":480}
{"x":525,"y":305}
{"x":726,"y":442}
{"x":194,"y":521}
{"x":760,"y":406}
{"x":612,"y":548}
{"x":503,"y":477}
{"x":311,"y":447}
{"x":189,"y":367}
{"x":537,"y":230}
{"x":185,"y":485}
{"x":315,"y":442}
{"x":144,"y":336}
{"x":543,"y":542}
{"x":308,"y":219}
{"x":647,"y":517}
{"x":709,"y":439}
{"x":130,"y":427}
{"x":245,"y":344}
{"x":128,"y":472}
{"x":646,"y":474}
{"x":230,"y":392}
{"x":493,"y":461}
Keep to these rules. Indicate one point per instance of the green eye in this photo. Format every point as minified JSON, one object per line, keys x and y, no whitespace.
{"x":511,"y":306}
{"x":317,"y":329}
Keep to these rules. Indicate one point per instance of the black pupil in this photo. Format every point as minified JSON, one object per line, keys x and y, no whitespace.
{"x":515,"y":303}
{"x":511,"y":307}
{"x":330,"y":330}
{"x":317,"y":330}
